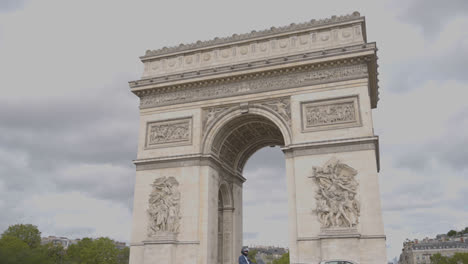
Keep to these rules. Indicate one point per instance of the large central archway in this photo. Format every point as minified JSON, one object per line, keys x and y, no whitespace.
{"x":237,"y":137}
{"x":205,"y":108}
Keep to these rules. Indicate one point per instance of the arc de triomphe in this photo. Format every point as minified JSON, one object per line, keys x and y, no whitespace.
{"x":206,"y":107}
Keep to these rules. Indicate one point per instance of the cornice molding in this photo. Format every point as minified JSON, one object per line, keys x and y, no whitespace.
{"x":335,"y":146}
{"x":237,"y":68}
{"x":355,"y":16}
{"x":187,"y":161}
{"x":278,"y":79}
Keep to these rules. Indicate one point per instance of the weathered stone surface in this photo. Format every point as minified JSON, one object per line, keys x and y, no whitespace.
{"x":207,"y":107}
{"x":169,"y":132}
{"x":164,"y":207}
{"x":337,"y":203}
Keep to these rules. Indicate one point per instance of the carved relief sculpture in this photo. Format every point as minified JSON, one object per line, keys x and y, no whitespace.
{"x":211,"y":114}
{"x":253,"y":84}
{"x":164,"y":206}
{"x":280,"y":106}
{"x":330,"y":114}
{"x":168,"y":132}
{"x":337,"y":204}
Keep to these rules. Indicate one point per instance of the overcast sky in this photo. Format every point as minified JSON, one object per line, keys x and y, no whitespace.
{"x":68,"y":123}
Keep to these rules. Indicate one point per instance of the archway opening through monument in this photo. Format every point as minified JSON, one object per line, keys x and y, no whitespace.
{"x":206,"y":107}
{"x":234,"y":144}
{"x":242,"y":136}
{"x":265,"y":203}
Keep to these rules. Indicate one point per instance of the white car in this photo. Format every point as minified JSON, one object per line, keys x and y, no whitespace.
{"x":337,"y":262}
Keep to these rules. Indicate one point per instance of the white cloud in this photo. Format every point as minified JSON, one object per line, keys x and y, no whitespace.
{"x":68,"y":212}
{"x":265,"y":208}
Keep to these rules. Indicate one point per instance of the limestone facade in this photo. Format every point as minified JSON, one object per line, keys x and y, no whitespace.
{"x":206,"y":107}
{"x":420,"y":252}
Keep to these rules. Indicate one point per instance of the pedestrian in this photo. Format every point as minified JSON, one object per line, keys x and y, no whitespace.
{"x":243,"y":259}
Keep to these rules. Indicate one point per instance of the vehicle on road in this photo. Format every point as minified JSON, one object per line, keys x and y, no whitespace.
{"x":337,"y":261}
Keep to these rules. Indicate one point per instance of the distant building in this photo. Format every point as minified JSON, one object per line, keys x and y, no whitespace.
{"x":420,"y":252}
{"x":65,"y":242}
{"x":120,"y":245}
{"x":266,"y":254}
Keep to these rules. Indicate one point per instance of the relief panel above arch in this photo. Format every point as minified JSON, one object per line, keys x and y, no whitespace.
{"x":330,"y":113}
{"x":173,"y":132}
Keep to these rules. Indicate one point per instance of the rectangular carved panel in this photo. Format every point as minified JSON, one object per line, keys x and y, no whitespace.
{"x":169,"y":133}
{"x":330,"y":114}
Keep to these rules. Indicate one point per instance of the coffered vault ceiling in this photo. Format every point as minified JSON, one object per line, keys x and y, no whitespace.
{"x":242,"y":137}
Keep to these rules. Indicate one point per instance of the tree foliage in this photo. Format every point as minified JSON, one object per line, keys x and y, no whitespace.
{"x":283,"y":260}
{"x":451,"y":233}
{"x":21,"y":244}
{"x":98,"y":251}
{"x":454,"y":233}
{"x":457,"y":258}
{"x":252,"y":256}
{"x":29,"y":234}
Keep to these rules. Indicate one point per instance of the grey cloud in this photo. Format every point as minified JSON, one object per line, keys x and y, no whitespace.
{"x":449,"y":65}
{"x":250,"y":235}
{"x":11,"y":5}
{"x":431,"y":15}
{"x":101,"y":129}
{"x":278,"y":216}
{"x":266,"y":157}
{"x":452,"y":151}
{"x":104,"y":182}
{"x":69,"y":232}
{"x":45,"y":135}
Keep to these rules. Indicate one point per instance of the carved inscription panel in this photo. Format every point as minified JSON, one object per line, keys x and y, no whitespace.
{"x":169,"y":133}
{"x":330,"y":114}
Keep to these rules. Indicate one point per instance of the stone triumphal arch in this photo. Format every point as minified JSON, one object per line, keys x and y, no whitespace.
{"x":206,"y":107}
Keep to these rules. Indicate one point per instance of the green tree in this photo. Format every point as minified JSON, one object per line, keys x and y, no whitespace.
{"x":451,"y":233}
{"x":123,"y":256}
{"x":28,"y":233}
{"x":15,"y":251}
{"x":55,"y":253}
{"x":252,"y":255}
{"x":99,"y":251}
{"x":457,"y":258}
{"x":460,"y":258}
{"x":283,"y":260}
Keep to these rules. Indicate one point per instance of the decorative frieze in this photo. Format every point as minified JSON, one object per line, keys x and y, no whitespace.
{"x":169,"y":133}
{"x":337,"y":203}
{"x":330,"y":114}
{"x":254,"y":34}
{"x":282,"y":106}
{"x":211,"y":113}
{"x":164,"y":207}
{"x":255,"y":83}
{"x":294,"y":42}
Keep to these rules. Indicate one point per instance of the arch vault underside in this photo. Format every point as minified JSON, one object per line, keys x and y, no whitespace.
{"x":205,"y":108}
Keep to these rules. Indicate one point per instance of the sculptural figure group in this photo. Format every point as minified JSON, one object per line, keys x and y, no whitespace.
{"x":168,"y":132}
{"x":337,"y":205}
{"x":164,"y":206}
{"x":329,"y":114}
